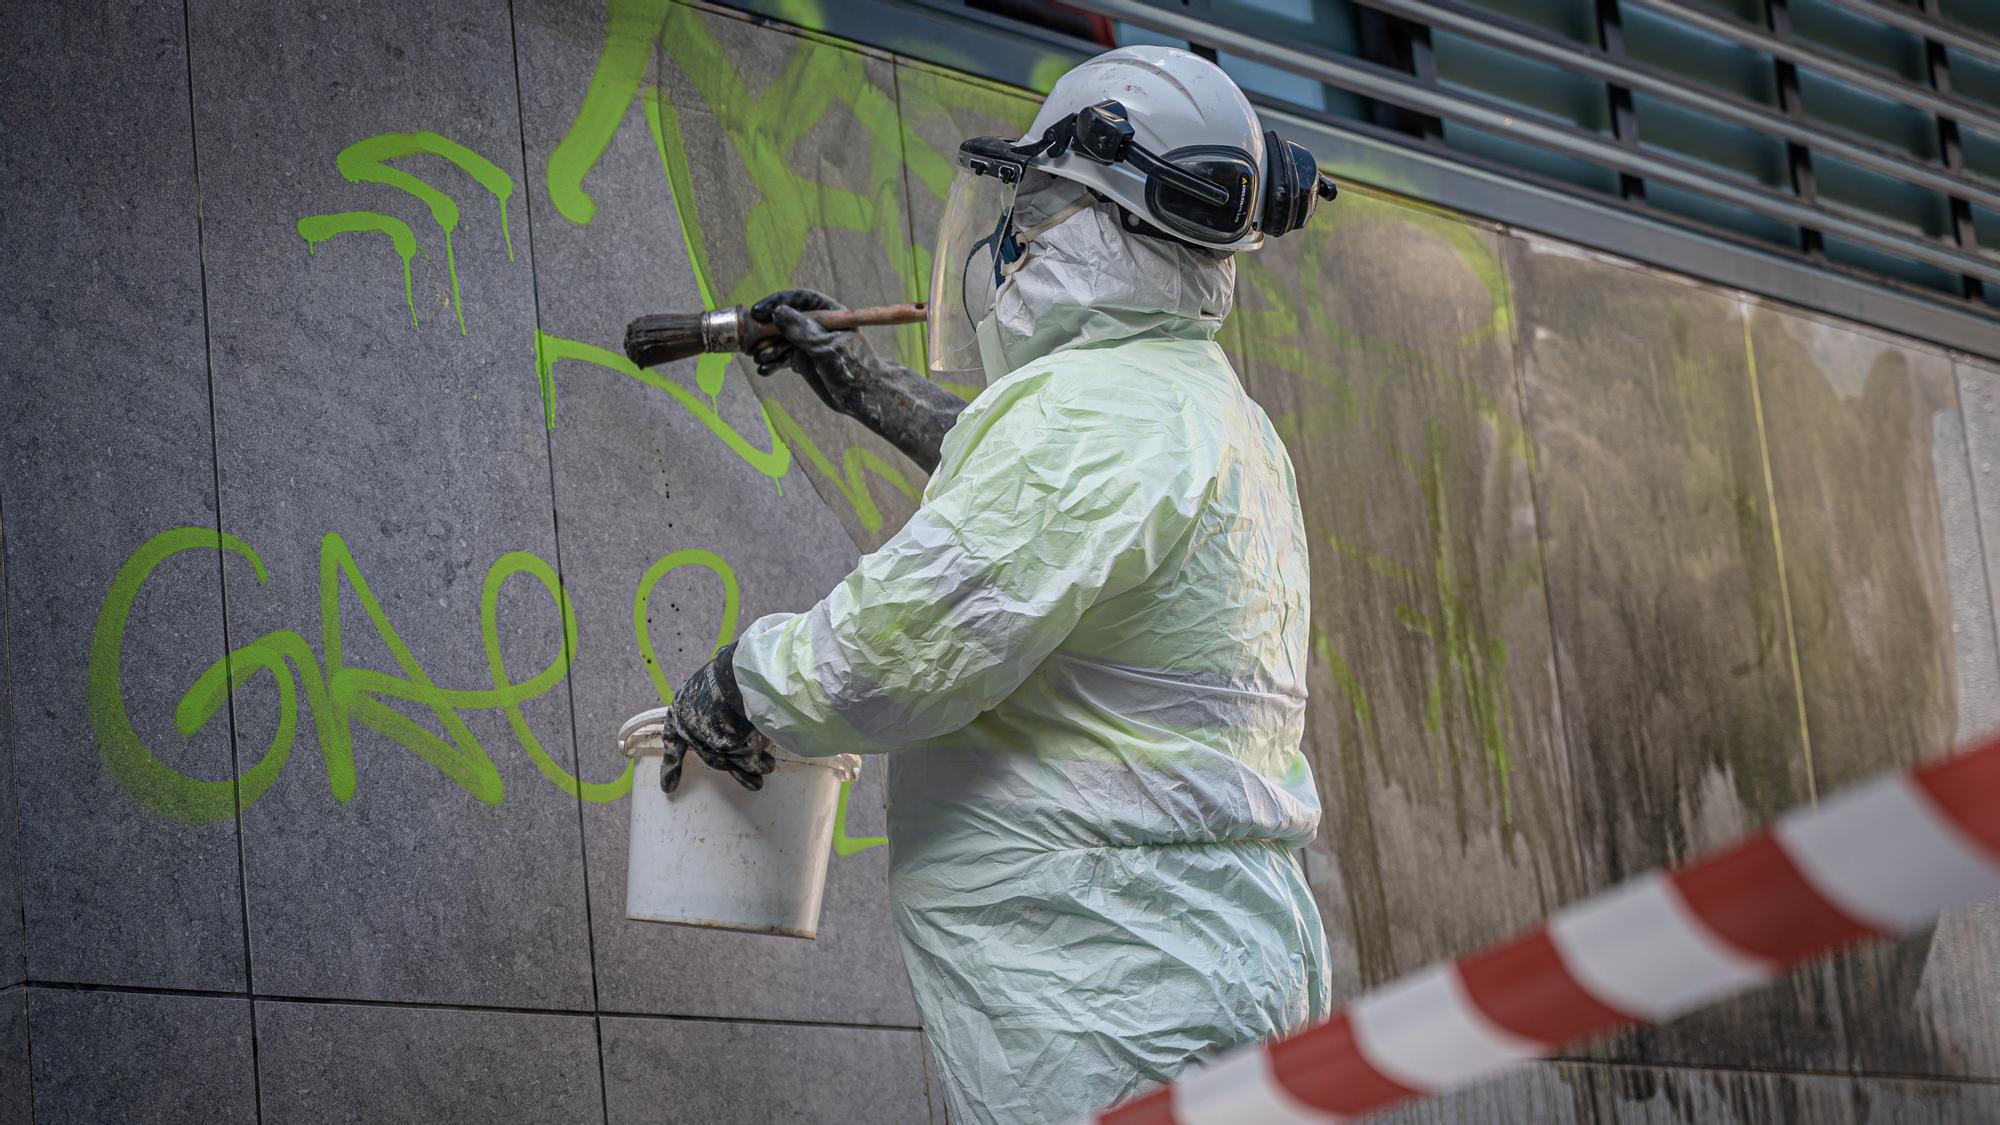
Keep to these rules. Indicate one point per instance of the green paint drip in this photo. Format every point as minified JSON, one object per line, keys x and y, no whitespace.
{"x":316,"y":229}
{"x":366,"y":161}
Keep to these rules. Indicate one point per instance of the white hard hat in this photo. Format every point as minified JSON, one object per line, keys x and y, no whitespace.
{"x":1175,"y":101}
{"x":1160,"y":132}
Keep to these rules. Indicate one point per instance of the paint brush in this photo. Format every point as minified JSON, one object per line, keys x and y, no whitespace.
{"x":665,"y":337}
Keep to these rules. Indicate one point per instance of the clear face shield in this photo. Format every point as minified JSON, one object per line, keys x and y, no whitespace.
{"x":975,"y":246}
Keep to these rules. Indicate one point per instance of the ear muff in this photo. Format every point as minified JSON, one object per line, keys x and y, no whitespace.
{"x":1292,"y":186}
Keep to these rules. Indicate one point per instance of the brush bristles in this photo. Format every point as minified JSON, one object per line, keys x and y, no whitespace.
{"x":664,"y":338}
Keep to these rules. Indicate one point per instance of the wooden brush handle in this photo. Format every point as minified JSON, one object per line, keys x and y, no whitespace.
{"x":756,"y":331}
{"x":841,"y":319}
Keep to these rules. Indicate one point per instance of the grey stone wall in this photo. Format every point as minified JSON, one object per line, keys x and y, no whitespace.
{"x":336,"y":537}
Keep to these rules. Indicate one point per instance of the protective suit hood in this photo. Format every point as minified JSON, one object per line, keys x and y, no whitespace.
{"x":1085,"y":281}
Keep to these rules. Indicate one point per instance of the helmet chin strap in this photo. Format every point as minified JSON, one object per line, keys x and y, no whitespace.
{"x":1025,"y":236}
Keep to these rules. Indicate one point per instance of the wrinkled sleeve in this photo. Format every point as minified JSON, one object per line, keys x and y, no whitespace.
{"x":1043,"y":507}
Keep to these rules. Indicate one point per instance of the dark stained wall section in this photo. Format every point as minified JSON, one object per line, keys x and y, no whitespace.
{"x":1381,"y":342}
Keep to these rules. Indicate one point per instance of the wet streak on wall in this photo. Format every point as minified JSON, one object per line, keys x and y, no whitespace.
{"x":1609,"y":567}
{"x":1889,"y":601}
{"x":1666,"y":598}
{"x":1439,"y":758}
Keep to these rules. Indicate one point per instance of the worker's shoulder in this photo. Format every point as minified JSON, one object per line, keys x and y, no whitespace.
{"x":1139,"y":377}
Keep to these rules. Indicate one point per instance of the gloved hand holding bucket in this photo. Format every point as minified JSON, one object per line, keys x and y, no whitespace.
{"x":748,"y":854}
{"x":707,"y":718}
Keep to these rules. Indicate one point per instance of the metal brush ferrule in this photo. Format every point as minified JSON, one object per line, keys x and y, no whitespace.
{"x":722,"y":330}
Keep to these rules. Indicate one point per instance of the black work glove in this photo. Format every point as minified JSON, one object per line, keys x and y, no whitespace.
{"x":841,"y":367}
{"x":707,"y":718}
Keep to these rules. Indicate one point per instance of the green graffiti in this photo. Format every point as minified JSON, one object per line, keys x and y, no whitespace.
{"x":766,"y":250}
{"x":338,"y":694}
{"x":849,"y":480}
{"x":642,"y":605}
{"x":621,"y":67}
{"x":157,"y":785}
{"x":787,"y":211}
{"x":551,"y":350}
{"x":367,"y":161}
{"x":843,"y":844}
{"x":316,"y":229}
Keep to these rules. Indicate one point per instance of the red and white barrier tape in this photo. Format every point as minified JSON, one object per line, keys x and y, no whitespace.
{"x":1878,"y":859}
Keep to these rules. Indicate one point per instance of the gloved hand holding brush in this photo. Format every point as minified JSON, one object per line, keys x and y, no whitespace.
{"x":909,"y":411}
{"x":707,"y":718}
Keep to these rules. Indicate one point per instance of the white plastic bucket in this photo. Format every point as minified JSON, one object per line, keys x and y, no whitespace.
{"x":718,"y":856}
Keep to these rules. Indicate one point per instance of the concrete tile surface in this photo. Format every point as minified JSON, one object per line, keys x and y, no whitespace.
{"x":393,"y":476}
{"x":721,"y":1073}
{"x":140,"y":1057}
{"x":129,"y":830}
{"x":364,"y":1064}
{"x":13,"y":943}
{"x":16,"y":1101}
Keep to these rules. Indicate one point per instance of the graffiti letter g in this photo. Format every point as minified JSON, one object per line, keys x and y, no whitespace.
{"x":151,"y":782}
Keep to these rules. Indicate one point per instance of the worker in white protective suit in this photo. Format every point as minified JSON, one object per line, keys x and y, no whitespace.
{"x":1086,"y":651}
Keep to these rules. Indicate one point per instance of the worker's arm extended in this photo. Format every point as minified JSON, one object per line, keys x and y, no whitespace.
{"x":1045,"y":505}
{"x":909,"y":411}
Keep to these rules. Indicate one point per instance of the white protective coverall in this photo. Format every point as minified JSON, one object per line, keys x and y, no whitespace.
{"x":1088,"y":650}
